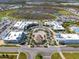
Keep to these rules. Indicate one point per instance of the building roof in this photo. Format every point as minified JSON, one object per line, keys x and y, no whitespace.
{"x":13,"y":35}
{"x":56,"y":25}
{"x":67,"y":36}
{"x":18,"y":24}
{"x":21,"y":25}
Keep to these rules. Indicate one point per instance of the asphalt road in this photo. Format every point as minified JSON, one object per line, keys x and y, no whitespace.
{"x":33,"y":51}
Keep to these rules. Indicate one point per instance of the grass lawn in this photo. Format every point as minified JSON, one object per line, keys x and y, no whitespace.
{"x":73,"y":45}
{"x":4,"y":55}
{"x":8,"y":52}
{"x":39,"y":56}
{"x":55,"y":56}
{"x":9,"y":46}
{"x":6,"y":13}
{"x":64,"y":12}
{"x":22,"y":56}
{"x":52,"y":16}
{"x":41,"y":16}
{"x":71,"y":55}
{"x":8,"y":57}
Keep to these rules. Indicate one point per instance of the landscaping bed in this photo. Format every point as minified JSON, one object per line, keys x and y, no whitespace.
{"x":22,"y":56}
{"x":55,"y":56}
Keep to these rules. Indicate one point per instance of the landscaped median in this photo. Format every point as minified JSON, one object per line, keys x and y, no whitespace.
{"x":22,"y":56}
{"x":38,"y":56}
{"x":55,"y":56}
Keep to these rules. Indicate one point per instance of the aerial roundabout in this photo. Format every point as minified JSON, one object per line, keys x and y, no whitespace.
{"x":40,"y":36}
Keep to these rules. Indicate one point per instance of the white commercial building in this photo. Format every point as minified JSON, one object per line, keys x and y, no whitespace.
{"x":55,"y":25}
{"x":67,"y":38}
{"x":18,"y":24}
{"x":21,"y":24}
{"x":14,"y":37}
